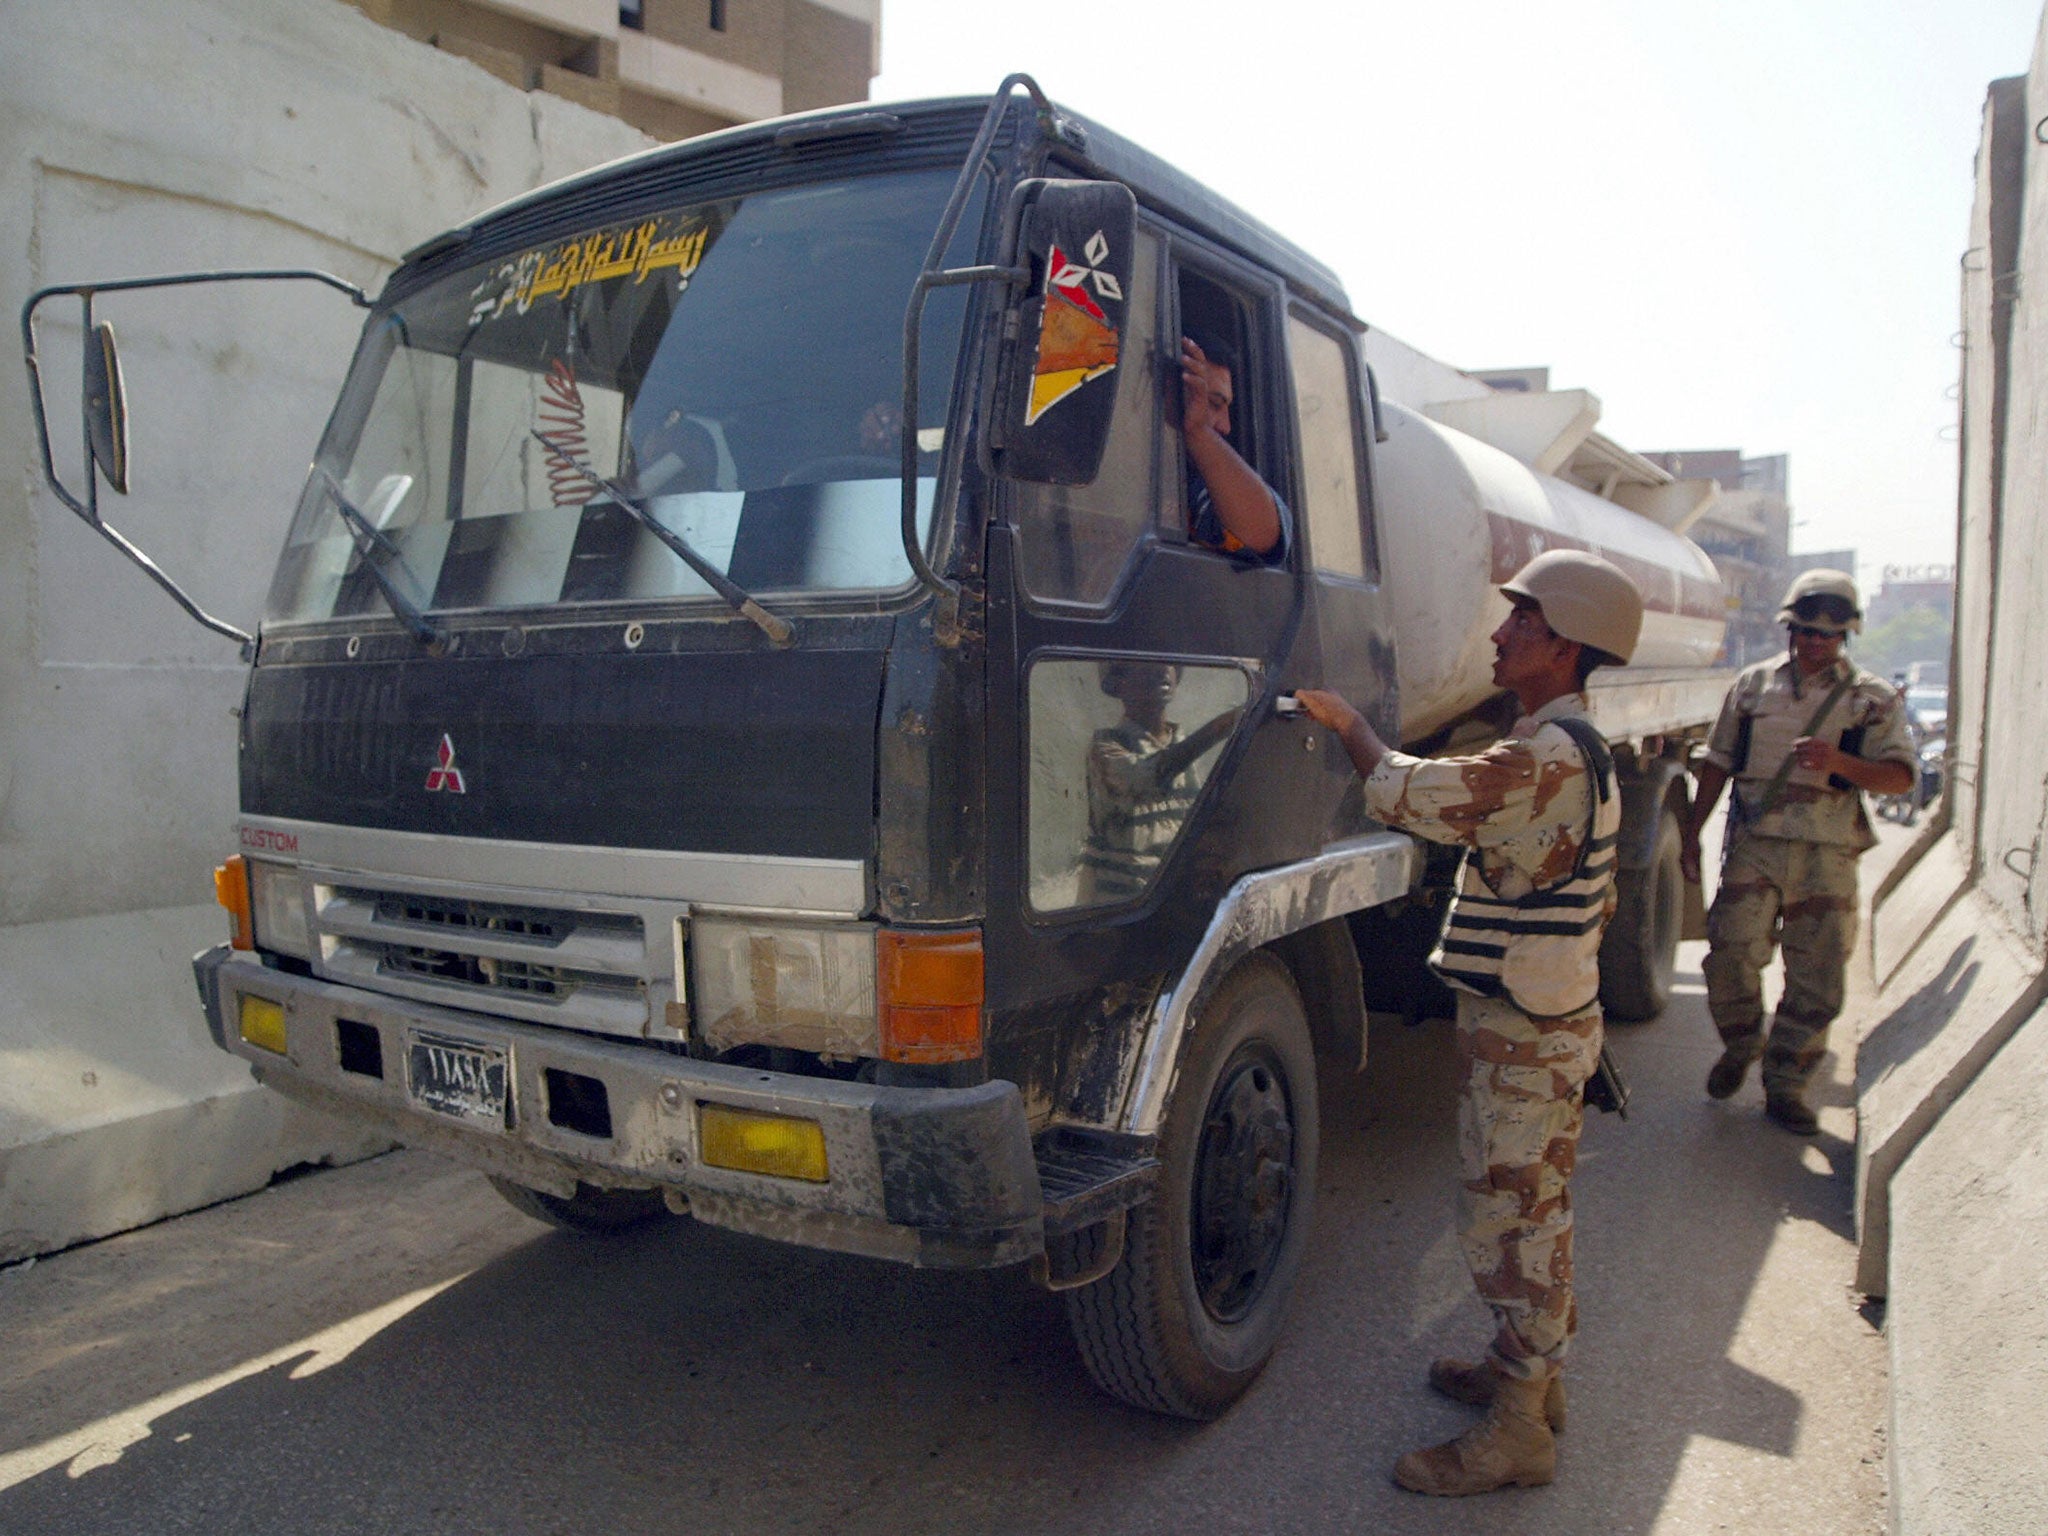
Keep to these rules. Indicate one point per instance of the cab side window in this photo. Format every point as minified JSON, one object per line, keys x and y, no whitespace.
{"x":1222,"y":323}
{"x":1077,"y":540}
{"x":1120,"y":749}
{"x":1326,"y":404}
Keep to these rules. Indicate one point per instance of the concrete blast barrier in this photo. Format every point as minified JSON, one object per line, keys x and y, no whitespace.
{"x":115,"y":1108}
{"x":1950,"y":1004}
{"x":140,"y":139}
{"x":1969,"y":1365}
{"x":1952,"y":1080}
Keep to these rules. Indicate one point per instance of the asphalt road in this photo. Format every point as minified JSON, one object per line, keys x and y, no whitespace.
{"x":390,"y":1348}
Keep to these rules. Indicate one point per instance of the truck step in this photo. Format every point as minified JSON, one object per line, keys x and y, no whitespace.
{"x":1086,"y":1176}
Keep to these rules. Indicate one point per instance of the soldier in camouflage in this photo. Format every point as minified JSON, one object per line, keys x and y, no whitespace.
{"x":1538,"y":813}
{"x":1802,"y":739}
{"x":1140,"y":787}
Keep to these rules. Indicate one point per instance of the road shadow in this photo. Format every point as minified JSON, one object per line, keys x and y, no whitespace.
{"x":688,"y":1379}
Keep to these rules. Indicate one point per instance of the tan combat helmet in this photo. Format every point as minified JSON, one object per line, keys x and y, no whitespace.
{"x":1583,"y":598}
{"x":1823,"y":599}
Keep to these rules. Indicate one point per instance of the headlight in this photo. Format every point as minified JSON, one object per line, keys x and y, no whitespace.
{"x":812,"y":988}
{"x":277,"y":900}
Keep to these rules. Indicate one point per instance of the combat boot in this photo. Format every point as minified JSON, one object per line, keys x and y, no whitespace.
{"x":1792,"y":1112}
{"x":1510,"y":1447}
{"x":1726,"y":1075}
{"x":1463,"y":1382}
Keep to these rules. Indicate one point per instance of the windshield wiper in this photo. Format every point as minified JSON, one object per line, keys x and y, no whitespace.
{"x":777,"y":630}
{"x":372,"y":544}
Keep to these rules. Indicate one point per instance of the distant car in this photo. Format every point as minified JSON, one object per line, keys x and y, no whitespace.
{"x":1927,"y":704}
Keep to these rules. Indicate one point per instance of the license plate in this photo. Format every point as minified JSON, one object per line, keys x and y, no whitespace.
{"x":457,"y":1078}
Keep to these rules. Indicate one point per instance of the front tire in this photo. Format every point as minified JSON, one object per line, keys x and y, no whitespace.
{"x":1639,"y":954}
{"x":1189,"y":1316}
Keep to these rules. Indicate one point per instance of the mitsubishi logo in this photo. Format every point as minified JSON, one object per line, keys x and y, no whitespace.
{"x":444,"y":774}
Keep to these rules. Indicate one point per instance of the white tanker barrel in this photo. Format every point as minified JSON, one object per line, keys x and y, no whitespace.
{"x":1459,"y":517}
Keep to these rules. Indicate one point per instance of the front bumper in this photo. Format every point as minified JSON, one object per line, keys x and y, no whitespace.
{"x":937,"y":1177}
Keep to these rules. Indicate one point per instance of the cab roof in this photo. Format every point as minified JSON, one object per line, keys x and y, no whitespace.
{"x":863,"y":136}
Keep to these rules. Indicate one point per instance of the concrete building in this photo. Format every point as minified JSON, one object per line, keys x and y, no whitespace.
{"x":1516,"y":381}
{"x":1553,"y":431}
{"x":1747,"y":532}
{"x":1903,"y":588}
{"x":671,"y":68}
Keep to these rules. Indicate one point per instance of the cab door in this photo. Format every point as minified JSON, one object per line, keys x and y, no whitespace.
{"x":1136,"y":764}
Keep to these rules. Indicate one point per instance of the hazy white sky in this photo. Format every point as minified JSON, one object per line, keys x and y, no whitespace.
{"x":1738,"y":223}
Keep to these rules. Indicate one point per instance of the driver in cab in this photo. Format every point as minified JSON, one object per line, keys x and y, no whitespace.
{"x":1230,"y":509}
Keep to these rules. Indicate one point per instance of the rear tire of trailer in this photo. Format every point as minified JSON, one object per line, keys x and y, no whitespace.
{"x":1187,"y":1319}
{"x":591,"y":1211}
{"x":1639,"y":954}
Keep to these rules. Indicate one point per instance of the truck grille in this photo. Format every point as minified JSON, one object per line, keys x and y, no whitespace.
{"x":549,"y":981}
{"x":477,"y":917}
{"x":584,"y":970}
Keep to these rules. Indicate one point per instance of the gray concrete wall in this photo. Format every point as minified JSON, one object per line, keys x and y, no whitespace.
{"x":2013,"y":775}
{"x":140,"y":138}
{"x":1952,"y":1074}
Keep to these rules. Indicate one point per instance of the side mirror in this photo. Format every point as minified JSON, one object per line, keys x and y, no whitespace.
{"x":1054,"y":411}
{"x":104,"y":404}
{"x":106,"y":407}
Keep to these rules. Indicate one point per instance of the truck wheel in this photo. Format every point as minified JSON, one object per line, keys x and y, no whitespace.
{"x":592,"y":1211}
{"x":1186,"y":1320}
{"x":1639,"y":953}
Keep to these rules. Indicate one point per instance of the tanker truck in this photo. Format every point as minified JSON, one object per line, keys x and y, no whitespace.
{"x":739,"y":729}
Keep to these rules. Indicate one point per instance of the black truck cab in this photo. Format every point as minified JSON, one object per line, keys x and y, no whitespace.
{"x":716,"y":742}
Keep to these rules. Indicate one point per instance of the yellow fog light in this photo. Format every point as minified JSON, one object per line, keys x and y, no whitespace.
{"x":263,"y":1023}
{"x":776,"y":1145}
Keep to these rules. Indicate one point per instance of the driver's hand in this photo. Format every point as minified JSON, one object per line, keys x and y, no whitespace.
{"x":1198,"y":411}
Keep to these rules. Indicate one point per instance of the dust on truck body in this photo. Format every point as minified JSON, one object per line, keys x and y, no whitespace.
{"x":739,"y":726}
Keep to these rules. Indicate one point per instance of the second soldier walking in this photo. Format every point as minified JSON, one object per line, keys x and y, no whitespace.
{"x":1801,"y":738}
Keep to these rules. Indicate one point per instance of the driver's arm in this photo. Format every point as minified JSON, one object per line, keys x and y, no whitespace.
{"x":1244,"y":504}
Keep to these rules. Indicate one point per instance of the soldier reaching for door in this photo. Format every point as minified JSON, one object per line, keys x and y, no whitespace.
{"x":1538,"y":813}
{"x":1802,"y":738}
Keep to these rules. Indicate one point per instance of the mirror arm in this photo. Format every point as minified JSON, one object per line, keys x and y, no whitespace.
{"x":933,"y":276}
{"x":88,"y":508}
{"x":185,"y":279}
{"x":913,"y":326}
{"x":156,"y":574}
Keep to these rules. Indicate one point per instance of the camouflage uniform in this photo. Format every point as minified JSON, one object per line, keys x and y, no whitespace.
{"x":1788,"y":877}
{"x":1134,"y":810}
{"x":1529,"y":1024}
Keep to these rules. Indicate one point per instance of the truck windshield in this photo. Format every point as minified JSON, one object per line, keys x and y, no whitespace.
{"x":735,"y":365}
